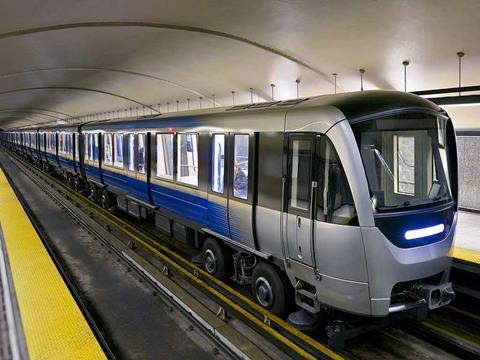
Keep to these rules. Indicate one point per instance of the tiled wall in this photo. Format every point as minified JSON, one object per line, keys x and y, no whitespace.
{"x":469,"y":171}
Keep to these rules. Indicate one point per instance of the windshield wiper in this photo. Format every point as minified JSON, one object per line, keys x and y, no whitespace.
{"x":383,"y":162}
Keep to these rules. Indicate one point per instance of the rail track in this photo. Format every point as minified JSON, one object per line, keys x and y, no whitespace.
{"x":231,"y":301}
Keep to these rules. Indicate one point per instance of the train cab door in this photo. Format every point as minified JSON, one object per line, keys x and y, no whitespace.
{"x":301,"y":152}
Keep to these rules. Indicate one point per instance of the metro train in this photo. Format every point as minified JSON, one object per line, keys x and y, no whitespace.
{"x":346,"y":202}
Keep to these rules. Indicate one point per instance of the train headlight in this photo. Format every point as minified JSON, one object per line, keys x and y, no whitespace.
{"x":424,"y":232}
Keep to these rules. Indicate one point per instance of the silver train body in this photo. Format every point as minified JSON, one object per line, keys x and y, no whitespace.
{"x":351,"y":197}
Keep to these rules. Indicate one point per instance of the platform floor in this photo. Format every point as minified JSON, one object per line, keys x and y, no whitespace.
{"x":50,"y":322}
{"x":467,"y":238}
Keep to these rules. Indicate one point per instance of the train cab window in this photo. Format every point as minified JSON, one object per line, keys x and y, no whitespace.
{"x":118,"y":158}
{"x":218,"y":162}
{"x":301,"y":165}
{"x":141,"y":153}
{"x":404,"y":164}
{"x":334,"y":198}
{"x":188,"y":159}
{"x":108,"y":149}
{"x":165,"y":156}
{"x":131,"y":152}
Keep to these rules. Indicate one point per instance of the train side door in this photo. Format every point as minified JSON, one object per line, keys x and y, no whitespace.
{"x":218,"y":188}
{"x":241,"y":155}
{"x":301,"y":151}
{"x":137,"y":165}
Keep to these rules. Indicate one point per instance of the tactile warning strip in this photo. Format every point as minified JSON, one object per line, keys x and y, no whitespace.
{"x":54,"y":326}
{"x":466,"y":255}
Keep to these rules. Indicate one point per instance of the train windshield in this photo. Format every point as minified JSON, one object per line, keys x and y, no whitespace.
{"x":405,"y":159}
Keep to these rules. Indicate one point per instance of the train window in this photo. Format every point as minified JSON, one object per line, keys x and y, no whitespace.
{"x":165,"y":155}
{"x":95,"y":145}
{"x":118,"y":159}
{"x":188,"y":159}
{"x":218,"y":162}
{"x":131,"y":152}
{"x":61,"y":140}
{"x":404,"y":164}
{"x":301,"y":160}
{"x":141,"y":153}
{"x":108,"y":149}
{"x":240,"y":166}
{"x":77,"y":146}
{"x":334,"y":198}
{"x":86,"y":138}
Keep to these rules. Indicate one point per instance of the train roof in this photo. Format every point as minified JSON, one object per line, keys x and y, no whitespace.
{"x":352,"y":105}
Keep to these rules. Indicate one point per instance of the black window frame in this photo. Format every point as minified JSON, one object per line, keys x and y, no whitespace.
{"x":225,"y":166}
{"x":174,"y":155}
{"x":291,"y":209}
{"x":197,"y":187}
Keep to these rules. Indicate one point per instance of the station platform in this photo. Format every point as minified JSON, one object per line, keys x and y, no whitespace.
{"x":40,"y":319}
{"x":467,"y":238}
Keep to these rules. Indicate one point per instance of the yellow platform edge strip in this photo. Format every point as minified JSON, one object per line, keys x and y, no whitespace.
{"x":54,"y":326}
{"x":466,"y":255}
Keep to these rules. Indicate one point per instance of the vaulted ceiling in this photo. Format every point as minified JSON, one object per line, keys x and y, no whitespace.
{"x":101,"y":58}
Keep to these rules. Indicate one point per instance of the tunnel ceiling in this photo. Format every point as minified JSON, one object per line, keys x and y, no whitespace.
{"x":63,"y":59}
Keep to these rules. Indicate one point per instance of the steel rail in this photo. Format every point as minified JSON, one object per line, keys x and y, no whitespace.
{"x":286,"y":336}
{"x":82,"y":219}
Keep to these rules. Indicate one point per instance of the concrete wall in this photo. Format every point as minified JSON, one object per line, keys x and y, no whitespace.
{"x":469,"y":171}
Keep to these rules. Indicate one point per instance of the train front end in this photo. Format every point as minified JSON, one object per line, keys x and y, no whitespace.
{"x":410,"y":163}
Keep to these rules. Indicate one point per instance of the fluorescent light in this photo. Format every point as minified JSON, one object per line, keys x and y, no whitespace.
{"x":460,"y":105}
{"x":424,"y":232}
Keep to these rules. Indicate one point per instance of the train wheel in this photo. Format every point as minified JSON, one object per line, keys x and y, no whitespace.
{"x":77,"y":184}
{"x":106,"y":199}
{"x":215,"y":258}
{"x":270,"y":289}
{"x":91,"y":192}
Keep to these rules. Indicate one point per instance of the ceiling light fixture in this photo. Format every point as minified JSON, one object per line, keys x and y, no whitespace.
{"x":405,"y":63}
{"x":460,"y":55}
{"x":362,"y":71}
{"x":335,"y":81}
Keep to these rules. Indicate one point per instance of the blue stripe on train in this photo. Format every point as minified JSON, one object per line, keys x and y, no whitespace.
{"x":92,"y":173}
{"x":191,"y":207}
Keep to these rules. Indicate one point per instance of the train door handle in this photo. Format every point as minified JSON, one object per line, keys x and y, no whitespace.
{"x":299,"y":221}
